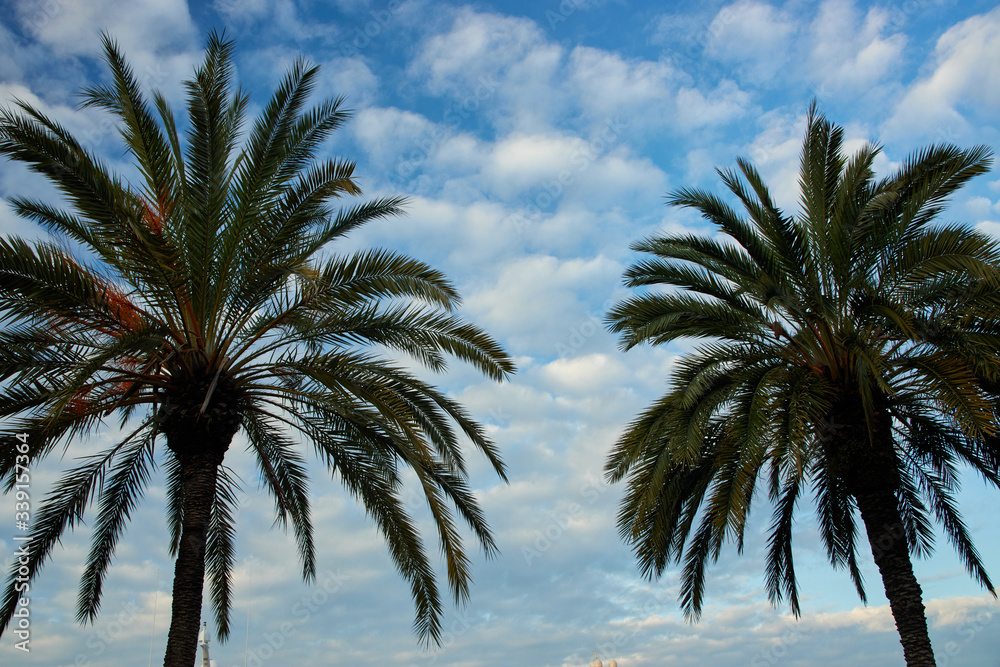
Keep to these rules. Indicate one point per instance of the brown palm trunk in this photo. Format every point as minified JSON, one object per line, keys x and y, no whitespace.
{"x":892,"y":556}
{"x":199,"y":477}
{"x":199,"y":439}
{"x":869,"y":466}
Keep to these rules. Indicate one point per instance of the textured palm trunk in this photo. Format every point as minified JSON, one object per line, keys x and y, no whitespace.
{"x":870,"y":470}
{"x":888,"y":542}
{"x":199,"y":477}
{"x":199,"y":439}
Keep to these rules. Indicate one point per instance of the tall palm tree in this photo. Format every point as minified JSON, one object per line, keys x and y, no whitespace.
{"x":201,"y":302}
{"x":845,"y":352}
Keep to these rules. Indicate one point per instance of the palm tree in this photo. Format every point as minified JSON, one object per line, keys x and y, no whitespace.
{"x":201,"y":303}
{"x":845,"y":352}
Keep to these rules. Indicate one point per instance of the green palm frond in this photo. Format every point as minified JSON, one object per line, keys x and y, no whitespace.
{"x":220,"y":549}
{"x":119,"y":497}
{"x":284,"y":474}
{"x":780,"y":567}
{"x":62,"y":508}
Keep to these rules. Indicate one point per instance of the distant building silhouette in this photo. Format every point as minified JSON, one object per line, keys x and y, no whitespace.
{"x":597,"y":662}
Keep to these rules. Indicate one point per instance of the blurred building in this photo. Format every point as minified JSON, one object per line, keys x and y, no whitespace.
{"x":597,"y":662}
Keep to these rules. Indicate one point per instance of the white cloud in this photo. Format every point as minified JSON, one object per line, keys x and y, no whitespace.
{"x":462,"y":153}
{"x":871,"y":619}
{"x":493,"y":66}
{"x":979,"y":206}
{"x":553,"y":168}
{"x":607,"y":85}
{"x":519,"y":162}
{"x":530,"y":98}
{"x":478,"y":47}
{"x":242,"y":10}
{"x":850,"y":52}
{"x":755,"y":36}
{"x":775,"y":152}
{"x":962,"y":77}
{"x":536,"y":304}
{"x":620,"y":180}
{"x":93,"y":128}
{"x":722,"y":105}
{"x":71,"y":28}
{"x":284,"y":17}
{"x":159,"y":40}
{"x":990,"y":227}
{"x":964,"y":609}
{"x":350,"y":77}
{"x":585,"y":374}
{"x":390,"y":134}
{"x":10,"y":224}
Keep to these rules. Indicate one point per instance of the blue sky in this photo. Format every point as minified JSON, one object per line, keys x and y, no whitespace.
{"x":535,"y":142}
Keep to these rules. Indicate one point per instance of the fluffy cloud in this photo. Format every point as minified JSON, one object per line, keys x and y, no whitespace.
{"x":606,"y":85}
{"x":520,"y":162}
{"x":69,"y":28}
{"x":850,"y":52}
{"x":391,"y":135}
{"x":755,"y":36}
{"x":536,"y":301}
{"x":478,"y":47}
{"x":160,"y":40}
{"x":959,"y":86}
{"x":587,"y":374}
{"x":722,"y":105}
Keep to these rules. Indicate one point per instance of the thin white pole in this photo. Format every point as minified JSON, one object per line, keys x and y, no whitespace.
{"x":152,"y":631}
{"x":246,"y":646}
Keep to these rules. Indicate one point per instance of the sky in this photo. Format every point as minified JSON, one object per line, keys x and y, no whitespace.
{"x":534,"y":141}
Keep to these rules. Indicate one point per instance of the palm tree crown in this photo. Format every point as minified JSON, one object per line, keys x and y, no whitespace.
{"x":848,"y":351}
{"x":202,"y":302}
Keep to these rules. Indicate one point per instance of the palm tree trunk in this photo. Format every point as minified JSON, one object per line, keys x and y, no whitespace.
{"x":198,"y":475}
{"x":884,"y":526}
{"x":199,"y":439}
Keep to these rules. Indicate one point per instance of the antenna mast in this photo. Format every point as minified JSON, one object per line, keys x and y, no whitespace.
{"x":205,"y":661}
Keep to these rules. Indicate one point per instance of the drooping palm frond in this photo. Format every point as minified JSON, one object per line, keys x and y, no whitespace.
{"x":119,"y":497}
